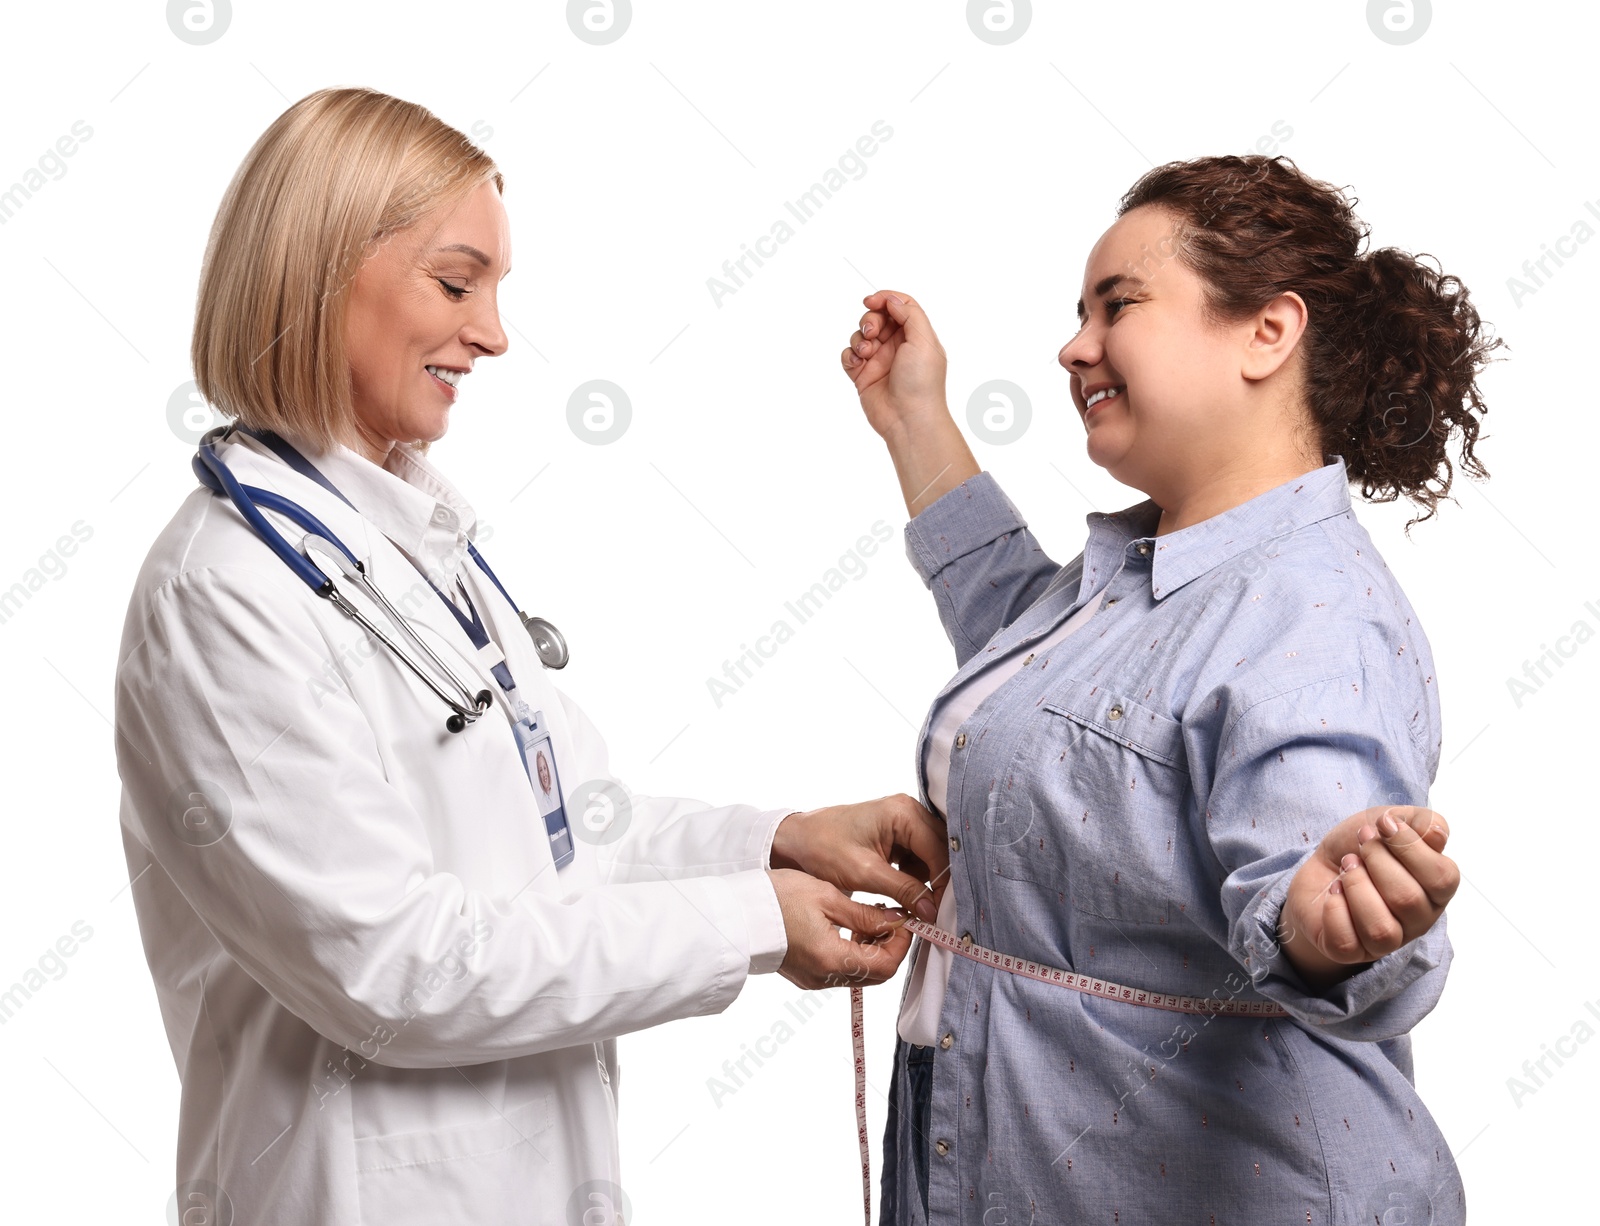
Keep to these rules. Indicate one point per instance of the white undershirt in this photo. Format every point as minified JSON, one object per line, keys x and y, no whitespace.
{"x":919,"y":1014}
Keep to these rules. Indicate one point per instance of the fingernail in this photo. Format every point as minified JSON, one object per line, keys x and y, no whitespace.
{"x":926,"y":910}
{"x":1336,"y":886}
{"x":1349,"y":862}
{"x":1388,"y":825}
{"x":850,"y":359}
{"x":897,"y":300}
{"x":1365,"y":835}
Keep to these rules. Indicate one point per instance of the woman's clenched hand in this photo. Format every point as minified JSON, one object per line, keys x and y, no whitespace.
{"x":898,"y":366}
{"x":1379,"y":879}
{"x":896,"y":362}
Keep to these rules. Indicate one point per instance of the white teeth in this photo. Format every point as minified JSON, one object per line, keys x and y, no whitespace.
{"x":452,"y":377}
{"x":1103,"y":394}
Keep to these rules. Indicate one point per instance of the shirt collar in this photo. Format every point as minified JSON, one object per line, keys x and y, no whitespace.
{"x":1180,"y":556}
{"x":406,"y":499}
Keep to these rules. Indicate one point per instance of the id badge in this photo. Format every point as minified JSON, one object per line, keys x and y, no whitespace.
{"x":539,"y":760}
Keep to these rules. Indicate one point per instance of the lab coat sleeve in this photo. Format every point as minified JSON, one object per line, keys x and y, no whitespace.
{"x":1288,"y":769}
{"x":272,"y":814}
{"x":659,"y":838}
{"x":973,"y":551}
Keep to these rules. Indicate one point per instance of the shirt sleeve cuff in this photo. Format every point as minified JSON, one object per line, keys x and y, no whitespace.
{"x":766,"y":942}
{"x":959,"y":521}
{"x":1372,"y":1004}
{"x":774,"y":819}
{"x":755,"y":831}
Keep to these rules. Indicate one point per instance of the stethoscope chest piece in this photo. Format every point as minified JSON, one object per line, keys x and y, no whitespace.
{"x":547,"y":641}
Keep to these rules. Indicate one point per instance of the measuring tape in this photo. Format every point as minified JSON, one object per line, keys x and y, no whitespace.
{"x":1090,"y":985}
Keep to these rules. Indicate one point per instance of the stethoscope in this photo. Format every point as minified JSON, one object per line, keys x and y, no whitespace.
{"x":320,"y":539}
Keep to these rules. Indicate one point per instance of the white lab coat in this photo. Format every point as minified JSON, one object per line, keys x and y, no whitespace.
{"x":386,"y":1004}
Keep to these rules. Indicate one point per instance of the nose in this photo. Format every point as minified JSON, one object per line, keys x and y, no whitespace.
{"x":1083,"y":351}
{"x":482,"y":329}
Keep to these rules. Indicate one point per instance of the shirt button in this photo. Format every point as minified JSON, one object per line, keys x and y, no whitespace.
{"x":961,"y":740}
{"x":1029,"y":660}
{"x":1144,"y":550}
{"x":948,"y":1039}
{"x":955,"y":843}
{"x":1112,"y":601}
{"x":942,"y":1146}
{"x":966,"y":940}
{"x":1115,"y":713}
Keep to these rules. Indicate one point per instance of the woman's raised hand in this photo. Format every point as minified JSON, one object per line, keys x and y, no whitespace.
{"x":898,"y":367}
{"x":896,"y":362}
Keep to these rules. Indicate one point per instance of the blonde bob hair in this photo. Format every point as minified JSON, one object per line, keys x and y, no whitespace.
{"x":333,"y":177}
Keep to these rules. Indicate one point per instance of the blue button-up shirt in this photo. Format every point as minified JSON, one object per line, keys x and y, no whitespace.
{"x":1133,"y":804}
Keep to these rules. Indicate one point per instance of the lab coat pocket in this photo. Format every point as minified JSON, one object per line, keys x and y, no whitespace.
{"x":487,"y":1171}
{"x":1090,"y":803}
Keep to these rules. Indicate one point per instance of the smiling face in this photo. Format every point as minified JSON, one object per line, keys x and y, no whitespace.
{"x":426,"y":296}
{"x":1194,"y":403}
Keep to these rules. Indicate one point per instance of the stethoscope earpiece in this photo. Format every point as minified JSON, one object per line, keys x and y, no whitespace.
{"x":457,"y":722}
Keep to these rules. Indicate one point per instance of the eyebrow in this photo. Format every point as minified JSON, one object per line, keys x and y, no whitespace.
{"x":1104,"y":287}
{"x":470,"y":250}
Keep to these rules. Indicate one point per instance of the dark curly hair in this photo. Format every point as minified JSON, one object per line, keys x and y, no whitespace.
{"x":1392,"y":348}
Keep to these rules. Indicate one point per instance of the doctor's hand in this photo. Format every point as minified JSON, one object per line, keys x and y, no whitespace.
{"x":818,"y":957}
{"x":891,"y":846}
{"x":1378,"y":879}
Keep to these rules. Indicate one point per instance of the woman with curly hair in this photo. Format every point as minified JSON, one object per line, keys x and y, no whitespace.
{"x":1146,"y":757}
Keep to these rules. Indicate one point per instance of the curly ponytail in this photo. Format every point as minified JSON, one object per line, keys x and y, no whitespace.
{"x":1392,"y":347}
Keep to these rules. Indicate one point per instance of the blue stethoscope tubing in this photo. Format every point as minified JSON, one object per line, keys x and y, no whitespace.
{"x":465,"y":705}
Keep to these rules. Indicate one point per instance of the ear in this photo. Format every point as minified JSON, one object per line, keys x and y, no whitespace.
{"x":1271,"y":337}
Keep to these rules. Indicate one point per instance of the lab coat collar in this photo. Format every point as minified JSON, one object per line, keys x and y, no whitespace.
{"x":1178,"y":557}
{"x":406,"y":499}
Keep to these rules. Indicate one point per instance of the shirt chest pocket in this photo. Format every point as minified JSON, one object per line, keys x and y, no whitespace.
{"x":1090,"y":804}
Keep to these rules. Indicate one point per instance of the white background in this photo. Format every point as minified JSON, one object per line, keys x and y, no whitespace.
{"x":633,"y":170}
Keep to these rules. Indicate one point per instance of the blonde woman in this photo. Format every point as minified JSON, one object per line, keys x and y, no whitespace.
{"x":391,"y":979}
